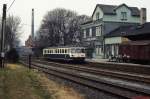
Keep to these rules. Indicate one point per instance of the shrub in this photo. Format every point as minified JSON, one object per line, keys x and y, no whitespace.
{"x":12,"y":55}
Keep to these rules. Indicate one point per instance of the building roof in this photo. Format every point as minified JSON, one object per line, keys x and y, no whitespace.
{"x":87,"y":22}
{"x":111,"y":9}
{"x":143,"y":42}
{"x":130,"y":30}
{"x":120,"y":31}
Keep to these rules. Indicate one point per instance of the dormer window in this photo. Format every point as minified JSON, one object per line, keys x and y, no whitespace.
{"x":123,"y":15}
{"x":97,"y":16}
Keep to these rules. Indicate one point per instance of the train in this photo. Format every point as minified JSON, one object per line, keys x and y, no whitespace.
{"x":135,"y":51}
{"x":65,"y":53}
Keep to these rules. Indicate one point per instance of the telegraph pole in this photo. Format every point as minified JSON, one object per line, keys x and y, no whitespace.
{"x":2,"y":41}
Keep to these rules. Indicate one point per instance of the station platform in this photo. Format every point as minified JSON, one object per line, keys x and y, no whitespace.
{"x":111,"y":62}
{"x":97,"y":60}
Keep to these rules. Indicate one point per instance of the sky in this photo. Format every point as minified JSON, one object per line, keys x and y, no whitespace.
{"x":22,"y":8}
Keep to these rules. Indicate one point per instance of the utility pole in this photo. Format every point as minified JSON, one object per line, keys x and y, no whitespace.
{"x":2,"y":47}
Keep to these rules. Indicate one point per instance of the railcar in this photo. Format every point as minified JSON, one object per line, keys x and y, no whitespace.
{"x":137,"y":51}
{"x":65,"y":53}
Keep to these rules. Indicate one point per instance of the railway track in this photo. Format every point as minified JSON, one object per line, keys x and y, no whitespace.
{"x":91,"y":77}
{"x":131,"y":68}
{"x":102,"y":71}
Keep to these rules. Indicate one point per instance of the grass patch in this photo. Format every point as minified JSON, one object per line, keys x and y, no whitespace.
{"x":18,"y":82}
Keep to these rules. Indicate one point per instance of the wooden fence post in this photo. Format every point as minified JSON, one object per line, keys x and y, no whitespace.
{"x":29,"y":61}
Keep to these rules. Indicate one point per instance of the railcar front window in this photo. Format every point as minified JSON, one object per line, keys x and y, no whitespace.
{"x":73,"y":51}
{"x":77,"y":50}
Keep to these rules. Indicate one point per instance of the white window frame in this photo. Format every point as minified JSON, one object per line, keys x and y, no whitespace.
{"x":98,"y":50}
{"x":123,"y":15}
{"x":98,"y":31}
{"x":97,"y":16}
{"x":90,"y":34}
{"x":84,"y":33}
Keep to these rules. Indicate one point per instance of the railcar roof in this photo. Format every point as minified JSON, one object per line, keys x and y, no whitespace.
{"x":62,"y":47}
{"x":130,"y":30}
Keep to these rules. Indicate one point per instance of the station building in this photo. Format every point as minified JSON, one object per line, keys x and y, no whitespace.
{"x":106,"y":18}
{"x":125,"y":34}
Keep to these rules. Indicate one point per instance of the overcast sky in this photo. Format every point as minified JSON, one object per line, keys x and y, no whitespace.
{"x":22,"y":8}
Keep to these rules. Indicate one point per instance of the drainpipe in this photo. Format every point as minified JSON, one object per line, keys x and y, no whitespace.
{"x":102,"y":32}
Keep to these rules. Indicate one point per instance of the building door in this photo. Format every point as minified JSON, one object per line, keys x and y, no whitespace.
{"x":89,"y":52}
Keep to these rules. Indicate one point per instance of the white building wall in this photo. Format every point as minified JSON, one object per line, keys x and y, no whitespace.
{"x":98,"y":10}
{"x":113,"y":40}
{"x":117,"y":17}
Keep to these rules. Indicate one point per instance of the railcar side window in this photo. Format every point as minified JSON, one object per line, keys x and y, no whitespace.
{"x":65,"y":50}
{"x":45,"y":51}
{"x":56,"y":50}
{"x":62,"y":50}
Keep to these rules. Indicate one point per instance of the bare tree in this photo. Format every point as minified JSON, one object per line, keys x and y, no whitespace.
{"x":60,"y":27}
{"x":12,"y":31}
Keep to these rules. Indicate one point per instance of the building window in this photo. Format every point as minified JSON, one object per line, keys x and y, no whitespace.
{"x":98,"y":31}
{"x":97,"y":16}
{"x":123,"y":15}
{"x":87,"y":32}
{"x":90,"y":34}
{"x":98,"y":50}
{"x":93,"y":31}
{"x":84,"y":33}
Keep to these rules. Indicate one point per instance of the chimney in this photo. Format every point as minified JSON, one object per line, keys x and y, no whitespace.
{"x":32,"y":26}
{"x":143,"y":17}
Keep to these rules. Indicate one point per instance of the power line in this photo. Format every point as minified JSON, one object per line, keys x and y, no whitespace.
{"x":11,"y":5}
